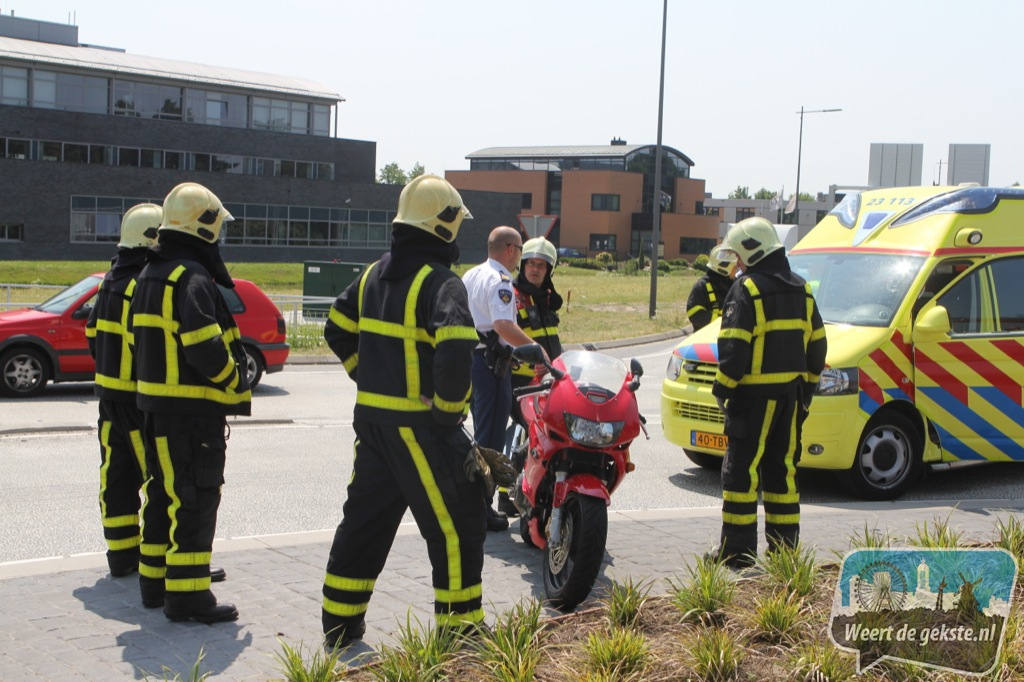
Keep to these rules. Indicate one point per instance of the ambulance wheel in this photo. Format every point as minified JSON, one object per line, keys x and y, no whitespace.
{"x":703,"y":460}
{"x":888,"y":458}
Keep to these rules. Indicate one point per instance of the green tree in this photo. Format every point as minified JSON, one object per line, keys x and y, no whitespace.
{"x":764,"y":193}
{"x":417,"y":170}
{"x":392,"y":174}
{"x":740,"y":192}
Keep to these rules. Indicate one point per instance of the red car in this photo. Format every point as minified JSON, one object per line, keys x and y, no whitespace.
{"x":47,"y":342}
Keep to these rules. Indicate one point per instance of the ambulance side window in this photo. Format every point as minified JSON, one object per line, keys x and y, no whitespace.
{"x":963,"y":303}
{"x":1008,"y":278}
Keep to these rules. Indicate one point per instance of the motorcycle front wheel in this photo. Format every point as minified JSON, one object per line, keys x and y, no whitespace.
{"x":571,"y":567}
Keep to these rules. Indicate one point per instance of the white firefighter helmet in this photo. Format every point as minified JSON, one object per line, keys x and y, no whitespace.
{"x":139,"y":226}
{"x":194,"y":210}
{"x":433,"y":205}
{"x":539,"y":247}
{"x":752,"y":239}
{"x":722,"y":261}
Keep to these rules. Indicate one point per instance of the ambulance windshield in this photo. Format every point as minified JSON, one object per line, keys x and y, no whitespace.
{"x":862,"y":289}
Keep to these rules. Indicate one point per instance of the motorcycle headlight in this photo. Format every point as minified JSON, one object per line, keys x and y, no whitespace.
{"x":675,"y":366}
{"x":588,"y":432}
{"x":837,"y":381}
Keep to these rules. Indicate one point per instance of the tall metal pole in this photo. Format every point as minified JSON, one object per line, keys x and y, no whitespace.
{"x":799,"y":156}
{"x":656,"y":204}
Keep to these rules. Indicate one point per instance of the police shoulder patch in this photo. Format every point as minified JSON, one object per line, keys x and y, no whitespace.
{"x":505,"y":295}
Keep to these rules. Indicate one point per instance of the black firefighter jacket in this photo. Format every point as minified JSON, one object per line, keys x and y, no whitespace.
{"x":772,"y":340}
{"x":107,"y":328}
{"x":188,"y":353}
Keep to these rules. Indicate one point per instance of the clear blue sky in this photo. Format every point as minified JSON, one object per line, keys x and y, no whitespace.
{"x":431,"y":82}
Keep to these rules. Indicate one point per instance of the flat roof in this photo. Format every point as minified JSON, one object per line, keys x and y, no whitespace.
{"x":615,"y":150}
{"x":122,"y":63}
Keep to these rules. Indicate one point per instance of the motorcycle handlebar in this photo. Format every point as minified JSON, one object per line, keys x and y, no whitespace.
{"x":530,"y":390}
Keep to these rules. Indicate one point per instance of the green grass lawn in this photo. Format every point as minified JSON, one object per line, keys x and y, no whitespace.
{"x":598,"y":305}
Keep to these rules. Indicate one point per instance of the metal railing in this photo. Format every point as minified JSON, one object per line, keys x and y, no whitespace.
{"x":7,"y":303}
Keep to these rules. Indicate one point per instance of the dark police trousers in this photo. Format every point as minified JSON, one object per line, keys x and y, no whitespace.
{"x":185,"y":455}
{"x":421,"y":469}
{"x":122,"y":471}
{"x":491,"y":404}
{"x":763,"y":451}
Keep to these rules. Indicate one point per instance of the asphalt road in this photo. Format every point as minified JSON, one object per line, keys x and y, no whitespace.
{"x":289,"y":463}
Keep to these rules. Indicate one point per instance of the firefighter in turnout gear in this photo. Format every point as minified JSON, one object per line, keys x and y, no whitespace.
{"x":704,"y":305}
{"x":537,"y":304}
{"x":191,"y":375}
{"x":404,"y":334}
{"x":122,"y":454}
{"x":771,"y":350}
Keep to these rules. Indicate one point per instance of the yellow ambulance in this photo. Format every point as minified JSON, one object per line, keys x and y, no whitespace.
{"x":922,"y":293}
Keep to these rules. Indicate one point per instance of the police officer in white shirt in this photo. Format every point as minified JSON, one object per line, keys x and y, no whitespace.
{"x":492,"y":303}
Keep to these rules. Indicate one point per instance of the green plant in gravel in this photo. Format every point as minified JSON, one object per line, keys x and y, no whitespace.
{"x":707,"y":589}
{"x":511,"y":650}
{"x":193,"y":674}
{"x":417,"y":657}
{"x":815,"y":661}
{"x":322,"y":666}
{"x":937,"y":535}
{"x":617,"y":655}
{"x":871,"y":538}
{"x":625,"y":601}
{"x":1011,"y":538}
{"x":778,"y":617}
{"x":792,"y":568}
{"x":716,"y":654}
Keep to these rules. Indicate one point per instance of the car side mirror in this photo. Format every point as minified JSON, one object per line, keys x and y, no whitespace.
{"x":82,"y":313}
{"x":932,"y":325}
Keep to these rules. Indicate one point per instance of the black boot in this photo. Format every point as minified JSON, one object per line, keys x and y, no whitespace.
{"x":152,"y":590}
{"x":201,"y":607}
{"x":343,"y":635}
{"x":217,"y":575}
{"x":730,"y":559}
{"x":123,"y":562}
{"x":506,"y":506}
{"x":496,"y":521}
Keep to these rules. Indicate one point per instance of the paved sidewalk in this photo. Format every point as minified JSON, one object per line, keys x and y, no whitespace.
{"x":66,"y":619}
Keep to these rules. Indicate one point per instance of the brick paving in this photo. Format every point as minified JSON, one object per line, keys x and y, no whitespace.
{"x":67,"y":619}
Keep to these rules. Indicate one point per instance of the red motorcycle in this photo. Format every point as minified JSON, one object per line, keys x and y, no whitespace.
{"x":580,"y":420}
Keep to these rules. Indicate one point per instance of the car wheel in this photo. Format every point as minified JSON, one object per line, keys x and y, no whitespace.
{"x":253,"y":366}
{"x":703,"y":460}
{"x":25,"y":372}
{"x":888,"y":458}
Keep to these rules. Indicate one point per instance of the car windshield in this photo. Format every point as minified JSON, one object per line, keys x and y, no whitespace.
{"x":62,"y":301}
{"x":862,"y":289}
{"x":588,"y":368}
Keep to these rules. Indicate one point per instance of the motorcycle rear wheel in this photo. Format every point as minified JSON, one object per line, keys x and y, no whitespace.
{"x":571,"y":567}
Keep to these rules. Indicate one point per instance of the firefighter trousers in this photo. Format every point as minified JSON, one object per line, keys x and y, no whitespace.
{"x":763,"y":451}
{"x":185,"y":455}
{"x":421,"y":469}
{"x":122,"y":471}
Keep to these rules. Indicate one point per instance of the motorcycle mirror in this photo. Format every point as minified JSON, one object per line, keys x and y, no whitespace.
{"x":637,"y":371}
{"x":533,"y":354}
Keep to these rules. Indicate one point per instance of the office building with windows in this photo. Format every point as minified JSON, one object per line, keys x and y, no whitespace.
{"x":87,"y":132}
{"x":602,"y":196}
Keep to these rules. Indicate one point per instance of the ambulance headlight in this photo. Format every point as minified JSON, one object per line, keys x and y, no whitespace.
{"x":837,"y":381}
{"x":675,"y":365}
{"x":594,"y":434}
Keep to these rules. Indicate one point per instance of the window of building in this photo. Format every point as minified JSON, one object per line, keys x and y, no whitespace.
{"x":13,"y":86}
{"x":325,"y":171}
{"x":217,"y":108}
{"x":696,"y":245}
{"x":147,"y":100}
{"x":76,"y":153}
{"x":527,"y":200}
{"x":602,"y":242}
{"x":321,"y":119}
{"x":18,"y":149}
{"x":49,"y":151}
{"x":742,"y":213}
{"x":712,"y":210}
{"x":98,"y":219}
{"x":12,"y":233}
{"x":604,"y":202}
{"x":151,"y":158}
{"x":128,"y":156}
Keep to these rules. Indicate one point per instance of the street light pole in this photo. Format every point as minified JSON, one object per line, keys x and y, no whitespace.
{"x":799,"y":156}
{"x":656,"y":198}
